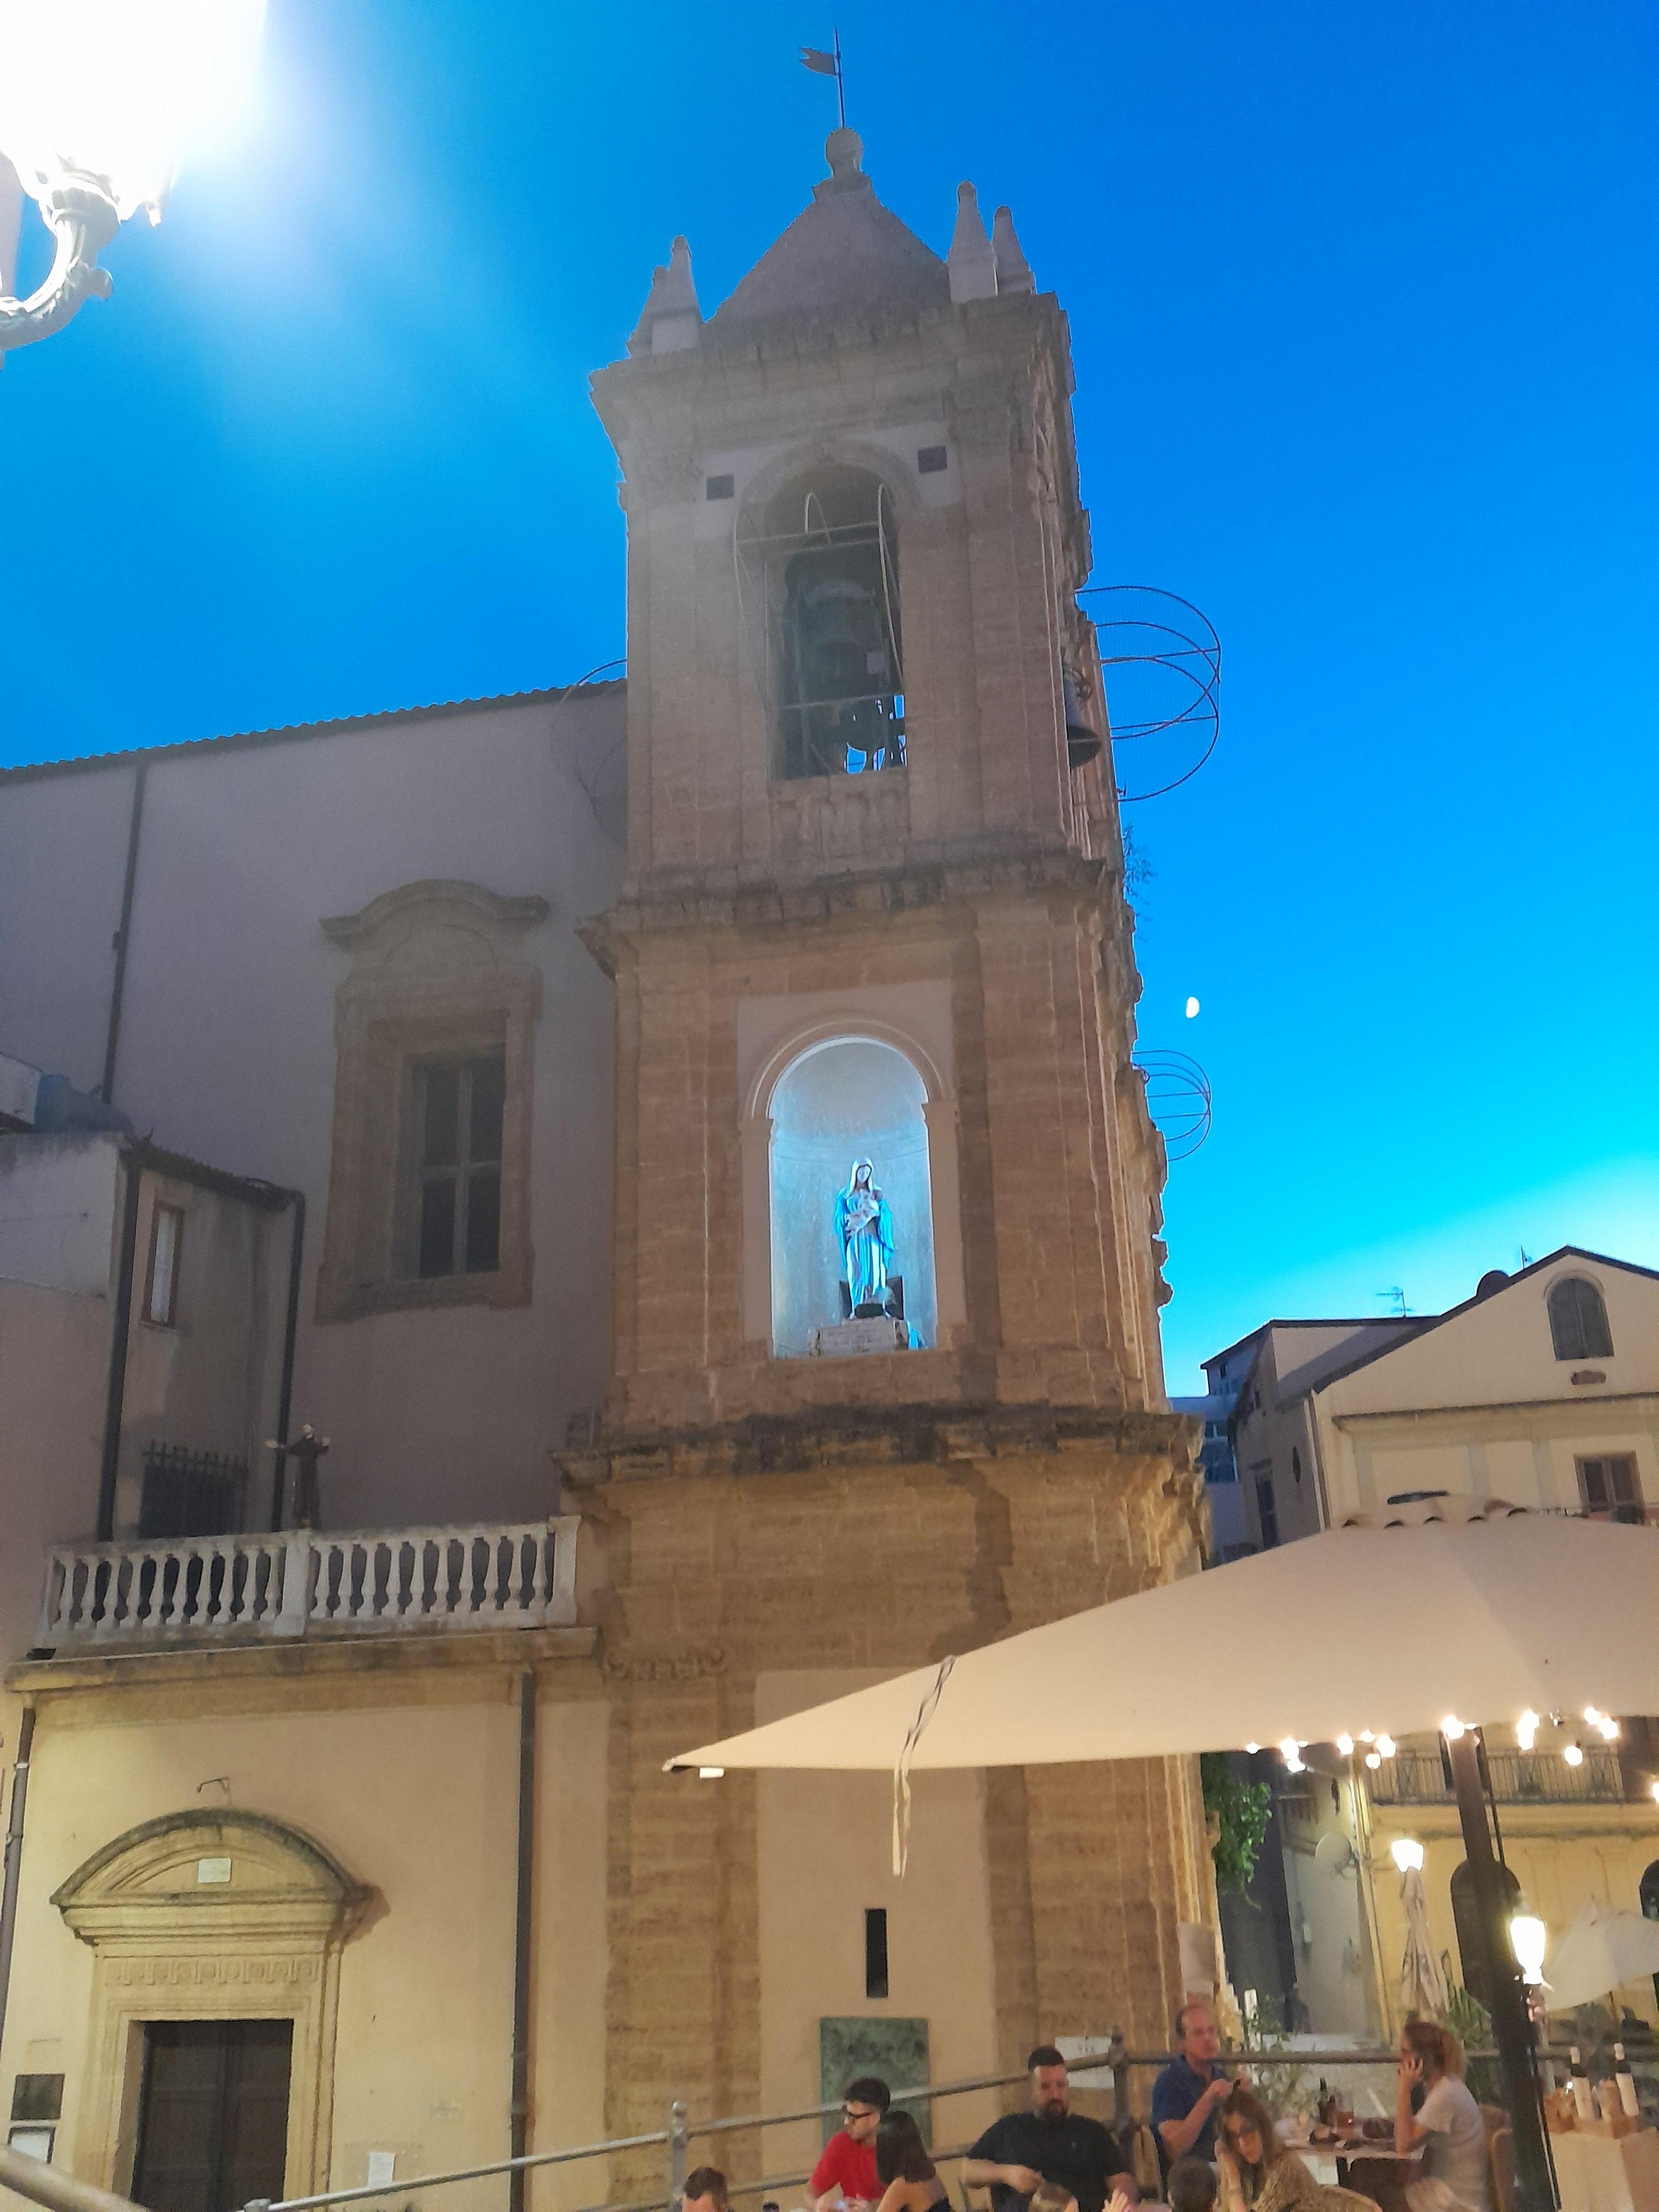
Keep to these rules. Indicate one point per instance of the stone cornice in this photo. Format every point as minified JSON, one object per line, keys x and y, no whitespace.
{"x":856,"y":1436}
{"x":660,"y":903}
{"x":220,"y":1666}
{"x":636,"y":397}
{"x":520,"y":912}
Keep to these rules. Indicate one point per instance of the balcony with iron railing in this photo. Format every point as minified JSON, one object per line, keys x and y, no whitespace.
{"x":156,"y":1593}
{"x":1518,"y":1777}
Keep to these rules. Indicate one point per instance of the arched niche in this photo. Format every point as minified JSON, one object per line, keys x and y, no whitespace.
{"x":209,"y":1916}
{"x":839,"y":1100}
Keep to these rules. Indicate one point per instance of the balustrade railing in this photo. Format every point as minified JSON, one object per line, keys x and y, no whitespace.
{"x":310,"y":1583}
{"x":1518,"y":1777}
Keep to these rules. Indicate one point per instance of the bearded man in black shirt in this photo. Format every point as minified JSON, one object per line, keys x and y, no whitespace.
{"x":1049,"y":2142}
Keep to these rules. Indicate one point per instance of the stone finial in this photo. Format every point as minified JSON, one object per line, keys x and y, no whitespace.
{"x":844,"y":149}
{"x":1013,"y":270}
{"x":972,"y":260}
{"x":670,"y":319}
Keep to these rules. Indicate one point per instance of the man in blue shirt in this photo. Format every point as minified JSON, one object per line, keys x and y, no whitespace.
{"x":1188,"y":2094}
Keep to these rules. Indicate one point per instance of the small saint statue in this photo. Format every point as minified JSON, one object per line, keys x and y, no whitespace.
{"x":864,"y":1222}
{"x":307,"y":1449}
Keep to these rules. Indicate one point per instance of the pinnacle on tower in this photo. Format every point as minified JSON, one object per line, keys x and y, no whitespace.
{"x":1013,"y":270}
{"x":972,"y":260}
{"x":670,"y":319}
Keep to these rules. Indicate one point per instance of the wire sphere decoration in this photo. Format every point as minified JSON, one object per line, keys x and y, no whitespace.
{"x":598,"y":759}
{"x":1160,"y":662}
{"x":1177,"y":1098}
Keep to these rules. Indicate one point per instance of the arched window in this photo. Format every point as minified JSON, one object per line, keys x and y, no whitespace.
{"x":1578,"y":1320}
{"x":1649,"y":1894}
{"x":828,"y":555}
{"x":847,"y":1100}
{"x":1467,"y":1921}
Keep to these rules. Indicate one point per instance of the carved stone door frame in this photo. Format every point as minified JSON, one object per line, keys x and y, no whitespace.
{"x":209,"y":1916}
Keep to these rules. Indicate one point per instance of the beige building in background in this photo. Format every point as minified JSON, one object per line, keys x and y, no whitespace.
{"x":358,"y":1834}
{"x":1543,"y":1389}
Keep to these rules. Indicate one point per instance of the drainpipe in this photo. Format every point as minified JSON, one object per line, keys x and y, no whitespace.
{"x":123,"y":931}
{"x":290,"y":1333}
{"x":120,"y":1331}
{"x":20,"y":1794}
{"x":520,"y":2105}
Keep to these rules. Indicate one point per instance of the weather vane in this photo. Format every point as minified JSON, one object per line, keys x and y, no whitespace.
{"x":827,"y":64}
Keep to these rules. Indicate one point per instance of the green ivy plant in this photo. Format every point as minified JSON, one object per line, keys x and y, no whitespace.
{"x":1237,"y":1818}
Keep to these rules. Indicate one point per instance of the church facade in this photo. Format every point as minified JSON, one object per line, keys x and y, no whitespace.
{"x":725,"y":1269}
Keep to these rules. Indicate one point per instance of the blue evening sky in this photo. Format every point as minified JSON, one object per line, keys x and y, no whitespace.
{"x":1363,"y":299}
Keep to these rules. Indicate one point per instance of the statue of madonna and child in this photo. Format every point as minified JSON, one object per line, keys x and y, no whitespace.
{"x":864,"y":1226}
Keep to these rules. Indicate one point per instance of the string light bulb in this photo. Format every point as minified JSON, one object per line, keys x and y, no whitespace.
{"x":1573,"y":1753}
{"x":1609,"y":1729}
{"x":1653,"y":1791}
{"x":1253,"y":1748}
{"x":1408,"y":1854}
{"x":1290,"y":1752}
{"x":1374,"y":1759}
{"x":1451,"y":1728}
{"x":1592,"y":1717}
{"x":1528,"y":1937}
{"x":1385,"y":1745}
{"x":1345,"y":1745}
{"x":1367,"y":1736}
{"x":1525,"y":1729}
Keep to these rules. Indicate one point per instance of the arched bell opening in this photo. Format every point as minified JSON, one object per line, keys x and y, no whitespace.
{"x":823,"y":563}
{"x":844,"y":1246}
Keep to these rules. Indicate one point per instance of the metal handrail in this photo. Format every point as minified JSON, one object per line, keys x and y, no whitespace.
{"x":48,"y":2185}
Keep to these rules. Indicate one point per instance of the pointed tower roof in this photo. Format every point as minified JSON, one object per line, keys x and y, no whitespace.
{"x":845,"y":253}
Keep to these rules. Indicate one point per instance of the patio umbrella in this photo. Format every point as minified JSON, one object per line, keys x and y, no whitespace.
{"x":1422,"y":1978}
{"x":1602,"y":1949}
{"x":1482,"y":1613}
{"x":1388,"y":1627}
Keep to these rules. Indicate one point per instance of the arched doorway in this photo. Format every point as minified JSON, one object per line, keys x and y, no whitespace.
{"x":1466,"y":1919}
{"x":843,"y":1100}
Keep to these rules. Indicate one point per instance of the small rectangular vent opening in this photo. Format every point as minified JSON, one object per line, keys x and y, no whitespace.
{"x":720,"y":487}
{"x":930,"y":459}
{"x":875,"y":1951}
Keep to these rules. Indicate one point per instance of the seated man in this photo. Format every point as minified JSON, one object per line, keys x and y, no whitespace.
{"x":846,"y":2171}
{"x":704,"y":2190}
{"x":1048,"y":2142}
{"x":1188,"y":2094}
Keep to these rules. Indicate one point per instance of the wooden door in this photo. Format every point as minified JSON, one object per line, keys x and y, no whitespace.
{"x":213,"y":2114}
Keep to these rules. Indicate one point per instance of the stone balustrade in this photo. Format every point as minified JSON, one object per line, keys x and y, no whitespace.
{"x":309,"y":1583}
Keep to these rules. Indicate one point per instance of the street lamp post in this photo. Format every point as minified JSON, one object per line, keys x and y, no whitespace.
{"x":100,"y":102}
{"x":1511,"y":2024}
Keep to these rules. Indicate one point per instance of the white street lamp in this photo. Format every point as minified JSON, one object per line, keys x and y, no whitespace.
{"x":1407,"y":1853}
{"x":101,"y":101}
{"x":1527,"y":1939}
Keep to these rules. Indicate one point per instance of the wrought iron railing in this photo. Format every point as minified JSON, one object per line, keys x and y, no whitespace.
{"x":1518,"y":1777}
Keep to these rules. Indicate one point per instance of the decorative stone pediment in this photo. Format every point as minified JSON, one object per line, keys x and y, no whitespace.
{"x":220,"y":1879}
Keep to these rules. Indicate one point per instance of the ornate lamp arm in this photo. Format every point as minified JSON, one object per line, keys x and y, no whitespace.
{"x":82,"y":218}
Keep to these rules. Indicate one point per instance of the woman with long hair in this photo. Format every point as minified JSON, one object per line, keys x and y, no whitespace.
{"x":909,"y":2180}
{"x":1446,"y":2127}
{"x":1258,"y":2173}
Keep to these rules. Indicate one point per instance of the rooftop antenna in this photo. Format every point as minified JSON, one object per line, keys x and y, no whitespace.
{"x":1396,"y":1297}
{"x":827,"y":64}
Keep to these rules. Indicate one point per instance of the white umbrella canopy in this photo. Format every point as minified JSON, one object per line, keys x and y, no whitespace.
{"x":1387,"y":1628}
{"x":1603,"y":1948}
{"x":1422,"y":1979}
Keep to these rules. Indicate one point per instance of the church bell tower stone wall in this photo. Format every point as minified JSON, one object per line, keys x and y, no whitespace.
{"x":766,"y":1515}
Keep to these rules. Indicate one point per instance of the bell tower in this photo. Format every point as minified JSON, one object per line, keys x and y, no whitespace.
{"x":886,"y":1380}
{"x":868,"y":796}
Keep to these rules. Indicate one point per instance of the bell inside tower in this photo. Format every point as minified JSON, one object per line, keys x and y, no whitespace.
{"x":825,"y":561}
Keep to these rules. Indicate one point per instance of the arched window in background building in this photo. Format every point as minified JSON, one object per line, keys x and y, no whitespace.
{"x":1466,"y":1920}
{"x":1578,"y":1320}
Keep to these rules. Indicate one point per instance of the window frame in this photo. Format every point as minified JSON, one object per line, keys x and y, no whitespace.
{"x":438,"y":970}
{"x":177,"y":1215}
{"x":1633,"y":1509}
{"x":421,"y":1173}
{"x":1585,"y":1345}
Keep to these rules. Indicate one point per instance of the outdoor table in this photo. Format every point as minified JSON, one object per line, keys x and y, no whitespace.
{"x":1604,"y":2173}
{"x":1384,"y":2174}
